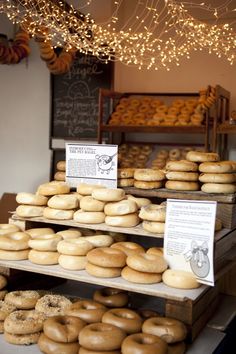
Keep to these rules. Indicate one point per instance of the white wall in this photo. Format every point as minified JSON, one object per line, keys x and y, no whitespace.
{"x":24,"y":121}
{"x":25,"y":106}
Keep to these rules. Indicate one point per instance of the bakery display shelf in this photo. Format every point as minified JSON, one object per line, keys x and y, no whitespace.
{"x":137,"y":230}
{"x":187,"y":195}
{"x":208,"y":340}
{"x":158,"y":290}
{"x":226,"y":128}
{"x":158,"y":129}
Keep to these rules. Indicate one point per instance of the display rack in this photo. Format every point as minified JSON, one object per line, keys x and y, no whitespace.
{"x":216,"y":117}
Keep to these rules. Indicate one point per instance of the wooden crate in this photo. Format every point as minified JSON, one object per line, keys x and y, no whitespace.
{"x":227,"y":214}
{"x":195,"y":314}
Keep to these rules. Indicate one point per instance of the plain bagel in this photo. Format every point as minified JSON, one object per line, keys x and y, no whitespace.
{"x":153,"y":212}
{"x":52,"y":188}
{"x":143,"y":343}
{"x":108,"y":194}
{"x":139,"y":201}
{"x":31,"y":199}
{"x":216,"y":167}
{"x":182,"y":186}
{"x":63,"y":201}
{"x":180,"y":279}
{"x":148,"y":175}
{"x":199,"y":156}
{"x":129,"y":220}
{"x":182,"y":166}
{"x":148,"y":263}
{"x":87,"y":189}
{"x":224,"y":188}
{"x":58,"y":214}
{"x":182,"y":176}
{"x":111,"y":297}
{"x":29,"y":211}
{"x":122,"y":207}
{"x":88,"y":203}
{"x":89,"y":217}
{"x":217,"y":177}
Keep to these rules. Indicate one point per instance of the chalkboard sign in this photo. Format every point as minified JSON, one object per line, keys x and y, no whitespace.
{"x":75,"y":98}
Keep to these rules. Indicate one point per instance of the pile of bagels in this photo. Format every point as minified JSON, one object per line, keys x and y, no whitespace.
{"x":12,"y":52}
{"x":107,"y":323}
{"x":134,"y":155}
{"x":202,"y":170}
{"x":60,"y":174}
{"x":100,"y":255}
{"x":151,"y":111}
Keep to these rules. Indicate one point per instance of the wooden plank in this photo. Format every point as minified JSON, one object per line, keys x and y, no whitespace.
{"x":154,"y":129}
{"x":137,"y":230}
{"x":189,"y":311}
{"x":159,"y":290}
{"x":227,"y":214}
{"x":194,"y":195}
{"x":201,"y":322}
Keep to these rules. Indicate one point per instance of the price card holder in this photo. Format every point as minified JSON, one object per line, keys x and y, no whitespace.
{"x":189,"y":237}
{"x":91,"y":163}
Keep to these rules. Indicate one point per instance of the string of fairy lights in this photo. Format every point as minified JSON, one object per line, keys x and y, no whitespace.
{"x":156,"y":34}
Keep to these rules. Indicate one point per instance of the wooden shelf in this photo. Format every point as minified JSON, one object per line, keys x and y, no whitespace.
{"x":154,"y":129}
{"x":226,"y":128}
{"x":137,"y":230}
{"x":159,"y":290}
{"x":188,"y":195}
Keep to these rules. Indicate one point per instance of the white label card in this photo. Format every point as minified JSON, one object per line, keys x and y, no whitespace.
{"x":91,"y":163}
{"x":189,"y":237}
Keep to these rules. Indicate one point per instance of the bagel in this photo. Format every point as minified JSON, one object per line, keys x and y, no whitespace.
{"x":63,"y":201}
{"x":7,"y":228}
{"x":57,"y":214}
{"x":88,"y":203}
{"x":108,"y":194}
{"x":14,"y":241}
{"x":129,"y":248}
{"x":72,"y":262}
{"x":63,"y":329}
{"x":126,"y":319}
{"x":180,"y":279}
{"x":153,"y":212}
{"x":29,"y":211}
{"x":129,"y":220}
{"x":24,"y":322}
{"x":14,"y":255}
{"x":102,"y":272}
{"x":217,"y":178}
{"x":110,"y":297}
{"x":52,"y":305}
{"x":143,"y":343}
{"x":48,"y":346}
{"x":138,"y":277}
{"x":74,"y":247}
{"x":182,"y":166}
{"x":101,"y":336}
{"x":31,"y":199}
{"x":21,"y":339}
{"x":52,"y":188}
{"x":122,"y":207}
{"x":147,"y":185}
{"x":154,"y":226}
{"x":224,"y":188}
{"x":168,"y":329}
{"x":87,"y":189}
{"x":216,"y":167}
{"x":147,"y":263}
{"x":199,"y":156}
{"x":182,"y":186}
{"x":61,"y":165}
{"x":139,"y":201}
{"x":89,"y":217}
{"x":125,"y":173}
{"x":67,"y":234}
{"x":89,"y":311}
{"x":182,"y":176}
{"x":43,"y":257}
{"x":100,"y":240}
{"x":60,"y":176}
{"x":37,"y":231}
{"x":45,"y":242}
{"x":148,"y":175}
{"x":22,"y":299}
{"x":107,"y":257}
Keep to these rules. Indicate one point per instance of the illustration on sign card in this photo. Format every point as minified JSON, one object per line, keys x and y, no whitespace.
{"x":105,"y":163}
{"x":198,"y":259}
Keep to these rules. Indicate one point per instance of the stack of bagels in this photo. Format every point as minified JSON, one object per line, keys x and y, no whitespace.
{"x":182,"y":175}
{"x":125,"y":177}
{"x":153,"y":216}
{"x":148,"y":178}
{"x":60,"y":174}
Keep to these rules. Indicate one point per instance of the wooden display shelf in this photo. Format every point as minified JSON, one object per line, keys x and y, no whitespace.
{"x":158,"y":290}
{"x":187,"y":195}
{"x":226,"y":128}
{"x":153,"y":129}
{"x":137,"y":230}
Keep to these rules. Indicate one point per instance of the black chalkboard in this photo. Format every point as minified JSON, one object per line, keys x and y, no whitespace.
{"x":75,"y":98}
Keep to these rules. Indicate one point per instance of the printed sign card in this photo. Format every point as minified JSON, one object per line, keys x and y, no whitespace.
{"x":189,"y":237}
{"x":91,"y":163}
